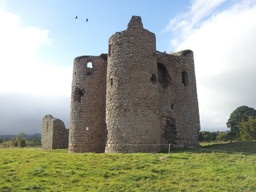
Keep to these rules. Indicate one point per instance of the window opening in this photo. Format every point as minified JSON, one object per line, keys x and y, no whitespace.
{"x":153,"y":78}
{"x":78,"y":94}
{"x":111,"y":82}
{"x":89,"y":65}
{"x":163,"y":76}
{"x":184,"y":78}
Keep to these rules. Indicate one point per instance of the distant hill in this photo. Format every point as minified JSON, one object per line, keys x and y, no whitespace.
{"x":27,"y":136}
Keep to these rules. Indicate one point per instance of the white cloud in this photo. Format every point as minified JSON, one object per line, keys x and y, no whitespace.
{"x":225,"y":62}
{"x":185,"y":23}
{"x":29,"y":88}
{"x":2,"y":4}
{"x":20,"y":69}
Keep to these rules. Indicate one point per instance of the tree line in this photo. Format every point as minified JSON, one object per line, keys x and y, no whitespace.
{"x":242,"y":125}
{"x":20,"y":141}
{"x":213,"y":136}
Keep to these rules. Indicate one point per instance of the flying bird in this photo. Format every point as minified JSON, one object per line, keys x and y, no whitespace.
{"x":85,"y":19}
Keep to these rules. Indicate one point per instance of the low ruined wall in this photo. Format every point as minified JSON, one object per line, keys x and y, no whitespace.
{"x":54,"y":133}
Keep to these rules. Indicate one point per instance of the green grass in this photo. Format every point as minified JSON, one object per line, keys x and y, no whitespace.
{"x":218,"y":167}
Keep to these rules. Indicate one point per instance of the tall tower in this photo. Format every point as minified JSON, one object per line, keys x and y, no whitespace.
{"x":132,"y":92}
{"x":178,"y":104}
{"x":88,"y":101}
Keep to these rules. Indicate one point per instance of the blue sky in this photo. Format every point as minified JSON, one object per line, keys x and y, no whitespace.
{"x":40,"y":39}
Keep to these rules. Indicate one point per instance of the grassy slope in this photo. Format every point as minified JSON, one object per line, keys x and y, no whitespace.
{"x":32,"y":169}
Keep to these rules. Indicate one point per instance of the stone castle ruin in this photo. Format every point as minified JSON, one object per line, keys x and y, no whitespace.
{"x":135,"y":98}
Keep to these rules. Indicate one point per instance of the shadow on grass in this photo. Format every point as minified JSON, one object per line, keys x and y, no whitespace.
{"x":244,"y":147}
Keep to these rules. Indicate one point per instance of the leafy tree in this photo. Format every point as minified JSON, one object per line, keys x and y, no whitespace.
{"x":222,"y":136}
{"x":20,"y":136}
{"x":22,"y":143}
{"x":214,"y":136}
{"x":207,"y":136}
{"x":1,"y":140}
{"x":14,"y":142}
{"x":20,"y":139}
{"x":240,"y":114}
{"x":201,"y":138}
{"x":248,"y":129}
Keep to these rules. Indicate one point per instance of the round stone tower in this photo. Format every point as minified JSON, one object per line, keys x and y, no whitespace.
{"x":87,"y":132}
{"x":132,"y":93}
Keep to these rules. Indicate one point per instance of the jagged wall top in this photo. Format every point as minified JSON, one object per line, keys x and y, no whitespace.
{"x":135,"y":22}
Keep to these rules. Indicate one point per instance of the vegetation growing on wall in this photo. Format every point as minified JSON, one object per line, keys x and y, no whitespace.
{"x":104,"y":56}
{"x":183,"y":52}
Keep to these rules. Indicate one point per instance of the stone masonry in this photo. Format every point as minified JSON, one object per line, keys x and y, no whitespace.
{"x":54,"y":133}
{"x":135,"y":99}
{"x":132,"y":115}
{"x":87,"y":110}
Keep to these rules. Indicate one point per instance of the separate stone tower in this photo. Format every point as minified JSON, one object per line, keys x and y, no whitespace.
{"x":132,"y":93}
{"x":88,"y":102}
{"x":54,"y":133}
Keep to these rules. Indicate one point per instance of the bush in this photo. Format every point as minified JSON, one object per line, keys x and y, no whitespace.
{"x":222,"y":136}
{"x":22,"y":143}
{"x":7,"y":144}
{"x":34,"y":143}
{"x":207,"y":136}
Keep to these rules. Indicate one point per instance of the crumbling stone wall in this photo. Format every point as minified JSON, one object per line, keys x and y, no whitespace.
{"x":139,"y":100}
{"x":178,"y":104}
{"x":54,"y":133}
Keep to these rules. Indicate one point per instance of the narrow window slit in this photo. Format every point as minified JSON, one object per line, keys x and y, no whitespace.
{"x":184,"y":78}
{"x":111,"y":82}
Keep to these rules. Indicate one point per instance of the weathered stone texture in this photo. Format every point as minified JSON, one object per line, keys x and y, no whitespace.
{"x":54,"y":133}
{"x":131,"y":97}
{"x":178,"y":102}
{"x":140,"y":100}
{"x":88,"y":102}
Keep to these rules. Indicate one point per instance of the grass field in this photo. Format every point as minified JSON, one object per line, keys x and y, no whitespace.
{"x":219,"y":167}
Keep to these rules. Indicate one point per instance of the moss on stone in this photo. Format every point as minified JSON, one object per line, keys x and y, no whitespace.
{"x":104,"y":56}
{"x":185,"y":52}
{"x":81,"y":57}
